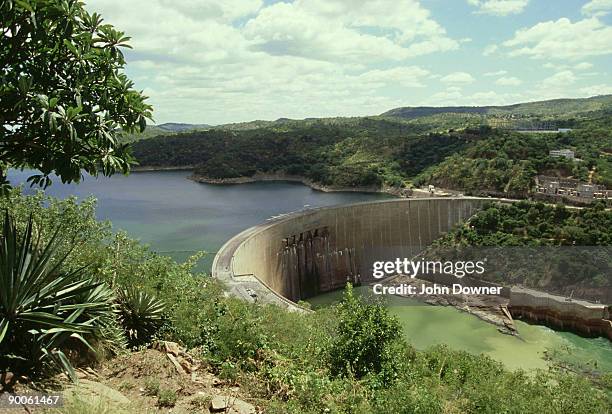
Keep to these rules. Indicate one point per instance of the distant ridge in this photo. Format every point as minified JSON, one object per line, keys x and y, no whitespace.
{"x":180,"y":127}
{"x":538,"y":108}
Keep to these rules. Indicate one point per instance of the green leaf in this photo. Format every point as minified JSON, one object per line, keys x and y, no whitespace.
{"x":25,"y":5}
{"x":25,"y":83}
{"x":4,"y":325}
{"x":71,"y":47}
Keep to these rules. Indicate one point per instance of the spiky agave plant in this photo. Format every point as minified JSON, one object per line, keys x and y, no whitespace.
{"x":142,"y":314}
{"x":44,"y":309}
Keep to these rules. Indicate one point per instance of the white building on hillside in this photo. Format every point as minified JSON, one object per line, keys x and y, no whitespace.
{"x":567,"y":153}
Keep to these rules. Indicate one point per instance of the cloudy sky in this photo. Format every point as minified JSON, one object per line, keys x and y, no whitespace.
{"x":220,"y":61}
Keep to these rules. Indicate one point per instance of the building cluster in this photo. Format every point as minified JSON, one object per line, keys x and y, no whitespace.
{"x":572,"y":188}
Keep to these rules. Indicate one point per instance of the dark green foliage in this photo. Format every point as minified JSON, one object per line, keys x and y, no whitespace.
{"x":423,"y":152}
{"x":122,"y":263}
{"x":535,"y":224}
{"x":141,"y":315}
{"x":344,"y":153}
{"x":45,"y":309}
{"x":551,"y":248}
{"x":504,"y":163}
{"x":63,"y":93}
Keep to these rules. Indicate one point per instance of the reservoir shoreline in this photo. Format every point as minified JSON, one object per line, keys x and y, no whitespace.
{"x":260,"y":177}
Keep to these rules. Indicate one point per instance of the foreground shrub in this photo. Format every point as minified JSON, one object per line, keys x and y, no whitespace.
{"x":122,"y":263}
{"x":365,"y":341}
{"x":45,"y":309}
{"x":166,"y":398}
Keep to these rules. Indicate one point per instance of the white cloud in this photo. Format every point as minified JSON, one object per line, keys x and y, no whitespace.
{"x":410,"y":76}
{"x":594,"y":90}
{"x":563,"y":66}
{"x":226,"y":10}
{"x":498,"y":73}
{"x":332,"y":30}
{"x":219,"y":61}
{"x":583,"y":66}
{"x":285,"y":30}
{"x":508,"y":81}
{"x":489,"y":50}
{"x":499,"y":7}
{"x":562,"y":39}
{"x":458,"y":78}
{"x":559,"y":80}
{"x":597,"y":7}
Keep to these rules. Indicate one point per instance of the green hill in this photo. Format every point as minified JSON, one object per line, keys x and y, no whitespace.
{"x":556,"y":107}
{"x":169,"y":128}
{"x":181,"y":127}
{"x":449,"y":150}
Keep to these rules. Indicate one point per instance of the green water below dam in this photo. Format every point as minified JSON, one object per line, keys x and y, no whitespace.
{"x":177,"y":217}
{"x":425,"y":325}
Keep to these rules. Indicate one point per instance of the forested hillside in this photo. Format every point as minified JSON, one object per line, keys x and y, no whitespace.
{"x":449,"y":150}
{"x":550,"y":248}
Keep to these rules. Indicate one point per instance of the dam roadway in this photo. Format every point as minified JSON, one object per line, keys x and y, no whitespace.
{"x":303,"y":254}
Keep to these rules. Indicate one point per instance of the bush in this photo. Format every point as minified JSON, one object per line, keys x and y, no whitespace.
{"x":417,"y":400}
{"x":44,"y":308}
{"x":365,"y":341}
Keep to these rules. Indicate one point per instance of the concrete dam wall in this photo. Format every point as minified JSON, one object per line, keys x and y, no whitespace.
{"x":306,"y":253}
{"x":586,"y":318}
{"x":303,"y":254}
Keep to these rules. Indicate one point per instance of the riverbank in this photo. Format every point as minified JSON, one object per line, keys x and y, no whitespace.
{"x":149,"y":168}
{"x":259,"y":177}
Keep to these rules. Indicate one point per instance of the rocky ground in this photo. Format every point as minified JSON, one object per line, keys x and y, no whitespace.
{"x":162,"y":379}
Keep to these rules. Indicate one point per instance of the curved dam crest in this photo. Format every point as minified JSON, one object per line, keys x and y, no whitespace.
{"x":306,"y":253}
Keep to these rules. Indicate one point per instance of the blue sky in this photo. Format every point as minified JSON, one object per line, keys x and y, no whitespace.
{"x":209,"y":61}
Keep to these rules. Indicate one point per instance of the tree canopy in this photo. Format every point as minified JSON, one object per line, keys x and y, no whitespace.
{"x":63,"y":94}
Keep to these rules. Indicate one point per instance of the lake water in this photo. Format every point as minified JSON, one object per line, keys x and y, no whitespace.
{"x":178,"y":217}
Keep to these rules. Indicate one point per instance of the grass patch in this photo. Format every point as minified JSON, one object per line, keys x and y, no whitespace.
{"x":166,"y":397}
